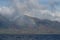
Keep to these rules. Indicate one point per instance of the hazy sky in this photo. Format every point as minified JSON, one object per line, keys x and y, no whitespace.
{"x":44,"y":9}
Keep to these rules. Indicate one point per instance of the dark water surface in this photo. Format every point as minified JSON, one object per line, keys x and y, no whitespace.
{"x":30,"y":37}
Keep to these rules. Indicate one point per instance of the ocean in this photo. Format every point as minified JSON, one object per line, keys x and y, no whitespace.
{"x":29,"y":36}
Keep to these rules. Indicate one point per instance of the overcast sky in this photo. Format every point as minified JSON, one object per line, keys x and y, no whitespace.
{"x":43,"y":9}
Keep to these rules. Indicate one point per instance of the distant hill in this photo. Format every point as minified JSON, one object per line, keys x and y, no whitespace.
{"x":28,"y":24}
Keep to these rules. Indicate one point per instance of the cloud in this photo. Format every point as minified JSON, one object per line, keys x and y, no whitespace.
{"x":6,"y":10}
{"x":33,"y":8}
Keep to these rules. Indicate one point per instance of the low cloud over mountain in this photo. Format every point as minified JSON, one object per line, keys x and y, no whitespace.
{"x":36,"y":8}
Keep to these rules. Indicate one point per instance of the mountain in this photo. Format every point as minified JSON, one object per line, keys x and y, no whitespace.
{"x":27,"y":24}
{"x":3,"y":22}
{"x":48,"y":23}
{"x":18,"y":23}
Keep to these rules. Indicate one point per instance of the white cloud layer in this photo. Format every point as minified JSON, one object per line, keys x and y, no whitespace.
{"x":33,"y":8}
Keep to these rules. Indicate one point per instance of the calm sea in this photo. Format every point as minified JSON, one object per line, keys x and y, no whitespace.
{"x":30,"y":37}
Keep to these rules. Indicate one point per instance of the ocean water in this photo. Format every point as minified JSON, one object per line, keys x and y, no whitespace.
{"x":29,"y":36}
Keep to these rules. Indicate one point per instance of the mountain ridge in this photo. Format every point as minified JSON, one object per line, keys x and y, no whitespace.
{"x":29,"y":25}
